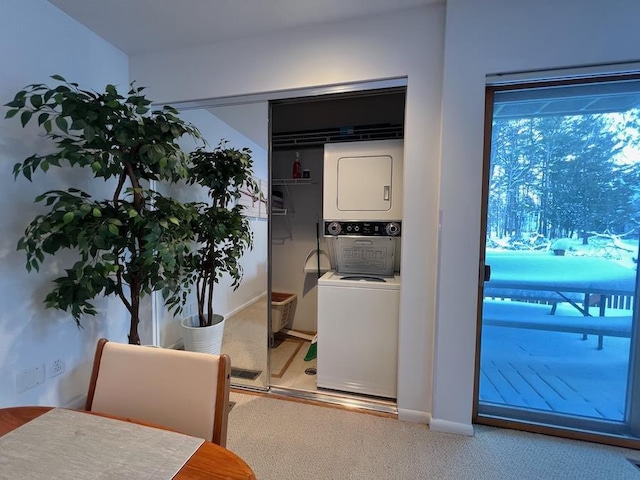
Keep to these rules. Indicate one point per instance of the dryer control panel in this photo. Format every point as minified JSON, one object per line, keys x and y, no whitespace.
{"x":362,"y":229}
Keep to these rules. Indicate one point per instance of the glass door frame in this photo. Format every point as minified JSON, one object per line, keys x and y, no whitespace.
{"x":581,"y":429}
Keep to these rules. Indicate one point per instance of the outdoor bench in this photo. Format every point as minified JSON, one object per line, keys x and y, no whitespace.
{"x":515,"y":314}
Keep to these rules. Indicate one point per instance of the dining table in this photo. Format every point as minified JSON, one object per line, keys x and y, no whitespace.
{"x":51,"y":442}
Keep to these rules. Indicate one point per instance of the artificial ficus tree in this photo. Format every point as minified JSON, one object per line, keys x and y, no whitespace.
{"x":223,"y":232}
{"x":132,"y":243}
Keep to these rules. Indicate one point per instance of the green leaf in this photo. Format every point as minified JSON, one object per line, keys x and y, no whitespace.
{"x":97,"y":212}
{"x":47,"y":126}
{"x":89,"y":132}
{"x":61,"y":122}
{"x":68,"y":217}
{"x":58,"y":77}
{"x":99,"y":242}
{"x":17,"y":103}
{"x":36,"y":101}
{"x":11,"y":113}
{"x":174,"y":220}
{"x":113,"y":229}
{"x":25,"y":117}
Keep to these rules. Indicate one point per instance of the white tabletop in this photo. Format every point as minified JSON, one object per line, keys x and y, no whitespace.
{"x":69,"y":445}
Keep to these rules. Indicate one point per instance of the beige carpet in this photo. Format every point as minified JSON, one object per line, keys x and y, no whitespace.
{"x":246,"y":341}
{"x":284,"y":440}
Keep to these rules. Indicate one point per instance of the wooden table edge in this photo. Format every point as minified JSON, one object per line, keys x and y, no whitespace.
{"x":200,"y":464}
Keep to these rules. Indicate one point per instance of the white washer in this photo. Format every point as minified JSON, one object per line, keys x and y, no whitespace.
{"x":358,"y":333}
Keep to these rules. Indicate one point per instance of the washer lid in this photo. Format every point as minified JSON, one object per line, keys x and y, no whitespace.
{"x":335,"y":279}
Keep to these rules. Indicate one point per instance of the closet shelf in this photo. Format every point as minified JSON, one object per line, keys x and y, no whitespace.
{"x":278,"y":211}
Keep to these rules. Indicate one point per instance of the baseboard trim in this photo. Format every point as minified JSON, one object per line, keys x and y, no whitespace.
{"x":413,"y":416}
{"x":445,"y":426}
{"x":245,"y":305}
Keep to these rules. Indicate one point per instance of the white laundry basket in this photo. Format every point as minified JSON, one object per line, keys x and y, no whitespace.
{"x":283,"y":309}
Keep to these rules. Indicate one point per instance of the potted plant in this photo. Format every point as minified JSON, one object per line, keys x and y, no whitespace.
{"x":223,"y":234}
{"x":131,"y":243}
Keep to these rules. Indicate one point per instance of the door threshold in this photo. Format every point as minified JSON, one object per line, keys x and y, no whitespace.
{"x":373,"y":406}
{"x":346,"y":401}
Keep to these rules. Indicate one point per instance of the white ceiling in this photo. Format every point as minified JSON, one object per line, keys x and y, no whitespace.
{"x":142,"y":26}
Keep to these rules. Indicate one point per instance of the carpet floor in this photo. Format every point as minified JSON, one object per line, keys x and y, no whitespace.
{"x":282,"y":439}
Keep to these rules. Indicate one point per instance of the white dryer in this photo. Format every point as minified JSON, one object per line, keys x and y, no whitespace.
{"x":363,"y":180}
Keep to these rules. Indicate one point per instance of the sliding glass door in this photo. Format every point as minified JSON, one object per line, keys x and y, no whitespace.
{"x":557,"y":336}
{"x":245,"y":337}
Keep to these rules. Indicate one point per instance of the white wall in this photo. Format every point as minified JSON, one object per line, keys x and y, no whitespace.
{"x":483,"y":38}
{"x":36,"y":41}
{"x":294,"y":235}
{"x":407,"y":44}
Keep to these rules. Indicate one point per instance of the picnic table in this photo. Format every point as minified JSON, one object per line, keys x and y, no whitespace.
{"x":525,"y":278}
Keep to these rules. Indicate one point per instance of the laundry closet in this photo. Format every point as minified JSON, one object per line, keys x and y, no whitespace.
{"x":335,"y":234}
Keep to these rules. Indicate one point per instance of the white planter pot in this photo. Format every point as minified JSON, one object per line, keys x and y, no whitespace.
{"x":202,"y":339}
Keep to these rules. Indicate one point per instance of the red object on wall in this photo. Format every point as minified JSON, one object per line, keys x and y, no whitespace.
{"x":297,"y":167}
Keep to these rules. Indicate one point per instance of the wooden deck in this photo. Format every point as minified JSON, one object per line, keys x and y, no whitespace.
{"x":554,"y":372}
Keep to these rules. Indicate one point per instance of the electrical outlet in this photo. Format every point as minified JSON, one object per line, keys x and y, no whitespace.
{"x":56,"y":367}
{"x":29,"y":378}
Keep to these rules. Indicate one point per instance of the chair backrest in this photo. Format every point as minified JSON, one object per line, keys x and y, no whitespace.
{"x":184,"y":391}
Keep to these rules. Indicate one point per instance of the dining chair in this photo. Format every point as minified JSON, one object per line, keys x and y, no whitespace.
{"x":184,"y":391}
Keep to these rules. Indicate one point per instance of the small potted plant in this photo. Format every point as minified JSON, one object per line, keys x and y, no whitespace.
{"x":223,"y":234}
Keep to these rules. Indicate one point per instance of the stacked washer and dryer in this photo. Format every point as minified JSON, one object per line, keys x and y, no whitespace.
{"x":359,"y":299}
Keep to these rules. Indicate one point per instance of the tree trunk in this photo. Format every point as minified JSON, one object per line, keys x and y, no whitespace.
{"x":134,"y":337}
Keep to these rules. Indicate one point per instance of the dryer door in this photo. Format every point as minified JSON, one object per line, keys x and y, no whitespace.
{"x":363,"y":180}
{"x":364,"y":183}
